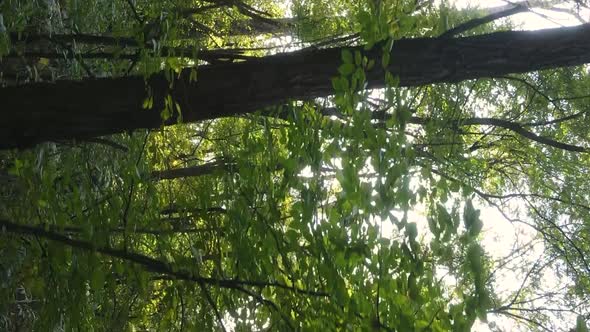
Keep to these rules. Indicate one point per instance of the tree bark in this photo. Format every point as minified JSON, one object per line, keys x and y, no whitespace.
{"x":80,"y":109}
{"x":198,"y":170}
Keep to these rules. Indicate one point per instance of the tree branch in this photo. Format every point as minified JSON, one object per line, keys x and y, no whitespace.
{"x":147,"y":263}
{"x":519,"y":129}
{"x":483,"y":20}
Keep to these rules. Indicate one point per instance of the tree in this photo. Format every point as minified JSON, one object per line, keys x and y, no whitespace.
{"x":334,"y":207}
{"x":237,"y":88}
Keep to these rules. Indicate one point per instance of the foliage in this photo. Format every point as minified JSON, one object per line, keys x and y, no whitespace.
{"x":362,"y":211}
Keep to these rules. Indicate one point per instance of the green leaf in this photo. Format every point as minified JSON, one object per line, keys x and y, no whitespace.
{"x":97,"y":280}
{"x":336,"y":84}
{"x":412,"y":230}
{"x":346,"y":69}
{"x":347,"y":56}
{"x":474,"y":260}
{"x":433,"y":227}
{"x":471,"y":219}
{"x":358,"y":58}
{"x":581,"y":324}
{"x":413,"y":290}
{"x":444,"y":218}
{"x":385,"y":60}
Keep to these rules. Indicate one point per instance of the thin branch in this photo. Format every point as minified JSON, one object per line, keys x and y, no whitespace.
{"x":563,"y":119}
{"x":533,"y":87}
{"x":171,"y":209}
{"x":569,"y":12}
{"x":510,"y":195}
{"x":147,"y":263}
{"x":469,"y":25}
{"x":134,"y":11}
{"x":519,"y":129}
{"x":506,"y":124}
{"x":520,"y":317}
{"x":562,"y":232}
{"x":522,"y":284}
{"x":122,"y":42}
{"x":269,"y":303}
{"x":197,"y":170}
{"x":106,"y":142}
{"x":213,"y":305}
{"x":186,"y":12}
{"x":73,"y":229}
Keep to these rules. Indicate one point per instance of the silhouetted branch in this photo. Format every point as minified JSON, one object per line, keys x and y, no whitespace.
{"x":147,"y":263}
{"x":469,"y":25}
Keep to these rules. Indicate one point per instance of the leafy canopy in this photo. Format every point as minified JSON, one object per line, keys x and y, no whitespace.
{"x":361,"y":211}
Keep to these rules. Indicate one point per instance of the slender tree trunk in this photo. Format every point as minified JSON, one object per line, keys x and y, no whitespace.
{"x":251,"y":27}
{"x":198,"y":170}
{"x":80,"y":109}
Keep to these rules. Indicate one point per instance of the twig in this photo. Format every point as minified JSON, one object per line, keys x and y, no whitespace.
{"x":483,"y":20}
{"x":213,"y":305}
{"x":134,"y":11}
{"x":107,"y":142}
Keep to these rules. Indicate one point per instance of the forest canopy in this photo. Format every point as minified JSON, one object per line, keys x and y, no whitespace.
{"x":261,"y":165}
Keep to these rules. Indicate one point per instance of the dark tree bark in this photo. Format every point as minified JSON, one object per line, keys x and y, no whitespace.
{"x":75,"y":110}
{"x":198,"y":170}
{"x":275,"y":26}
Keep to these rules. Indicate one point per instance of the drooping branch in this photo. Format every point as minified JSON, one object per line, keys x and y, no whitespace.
{"x":519,"y":129}
{"x":147,"y":263}
{"x":489,"y":197}
{"x":95,"y":107}
{"x":500,"y":123}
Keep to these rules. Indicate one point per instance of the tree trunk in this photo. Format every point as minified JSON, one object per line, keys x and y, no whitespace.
{"x":251,"y":27}
{"x":81,"y":109}
{"x":198,"y":170}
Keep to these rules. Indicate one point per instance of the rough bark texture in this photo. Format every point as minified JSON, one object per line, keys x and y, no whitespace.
{"x":70,"y":109}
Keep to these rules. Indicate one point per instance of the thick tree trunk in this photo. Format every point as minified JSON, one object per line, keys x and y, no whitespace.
{"x":70,"y":109}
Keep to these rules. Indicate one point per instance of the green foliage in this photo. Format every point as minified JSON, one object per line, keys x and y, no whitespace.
{"x":354,"y":212}
{"x":581,"y":325}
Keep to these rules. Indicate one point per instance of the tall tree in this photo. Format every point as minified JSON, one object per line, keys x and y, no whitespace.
{"x":244,"y":87}
{"x":340,"y":207}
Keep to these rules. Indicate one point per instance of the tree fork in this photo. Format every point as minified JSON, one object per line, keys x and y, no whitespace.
{"x":93,"y":107}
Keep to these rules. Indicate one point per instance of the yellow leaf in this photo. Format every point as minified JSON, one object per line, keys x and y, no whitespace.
{"x":44,"y":61}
